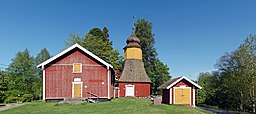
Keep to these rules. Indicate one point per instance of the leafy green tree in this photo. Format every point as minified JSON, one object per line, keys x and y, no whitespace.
{"x":161,"y":75}
{"x":151,"y":63}
{"x":237,"y":77}
{"x":3,"y":86}
{"x":98,"y":43}
{"x":209,"y":83}
{"x":21,"y":72}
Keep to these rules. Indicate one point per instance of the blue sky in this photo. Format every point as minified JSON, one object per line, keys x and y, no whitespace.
{"x":190,"y":34}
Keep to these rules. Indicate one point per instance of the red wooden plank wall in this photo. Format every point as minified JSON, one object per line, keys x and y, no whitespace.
{"x":141,"y":89}
{"x":59,"y":76}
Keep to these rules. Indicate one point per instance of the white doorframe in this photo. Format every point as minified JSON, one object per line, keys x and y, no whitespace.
{"x":170,"y":98}
{"x":73,"y":83}
{"x":126,"y":90}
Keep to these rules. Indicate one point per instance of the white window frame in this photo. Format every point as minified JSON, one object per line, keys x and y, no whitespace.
{"x":81,"y":67}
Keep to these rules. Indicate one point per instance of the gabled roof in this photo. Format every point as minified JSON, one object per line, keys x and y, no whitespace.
{"x":174,"y":81}
{"x":71,"y":48}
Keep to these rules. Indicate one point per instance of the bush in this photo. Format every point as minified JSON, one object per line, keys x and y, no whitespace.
{"x":13,"y":93}
{"x":27,"y":98}
{"x":12,"y":100}
{"x":2,"y":96}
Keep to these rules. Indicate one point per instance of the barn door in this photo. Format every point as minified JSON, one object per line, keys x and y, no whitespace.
{"x":129,"y":90}
{"x":77,"y":90}
{"x":182,"y":95}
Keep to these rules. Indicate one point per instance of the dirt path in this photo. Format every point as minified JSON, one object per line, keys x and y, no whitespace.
{"x":10,"y":106}
{"x":215,"y":110}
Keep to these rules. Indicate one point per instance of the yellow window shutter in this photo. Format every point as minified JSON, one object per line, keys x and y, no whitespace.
{"x":77,"y":67}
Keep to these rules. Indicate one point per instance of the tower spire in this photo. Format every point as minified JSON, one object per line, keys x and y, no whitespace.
{"x":133,"y":25}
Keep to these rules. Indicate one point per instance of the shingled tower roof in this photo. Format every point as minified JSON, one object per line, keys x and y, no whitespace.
{"x":133,"y":68}
{"x":132,"y":41}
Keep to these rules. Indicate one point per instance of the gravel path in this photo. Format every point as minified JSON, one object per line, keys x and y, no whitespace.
{"x":215,"y":110}
{"x":9,"y":106}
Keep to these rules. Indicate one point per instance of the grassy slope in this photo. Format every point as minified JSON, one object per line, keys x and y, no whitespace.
{"x":116,"y":106}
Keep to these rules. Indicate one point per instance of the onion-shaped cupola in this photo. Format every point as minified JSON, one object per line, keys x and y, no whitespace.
{"x":133,"y":49}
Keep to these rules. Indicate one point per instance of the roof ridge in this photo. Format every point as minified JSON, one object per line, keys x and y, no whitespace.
{"x":76,"y":45}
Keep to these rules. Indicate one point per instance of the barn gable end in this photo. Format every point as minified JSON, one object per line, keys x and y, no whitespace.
{"x":60,"y":81}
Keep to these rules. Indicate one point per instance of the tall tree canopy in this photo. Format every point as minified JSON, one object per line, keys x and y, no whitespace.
{"x":21,"y":72}
{"x":238,"y":71}
{"x":234,"y":84}
{"x":151,"y":62}
{"x":37,"y":83}
{"x":42,"y":56}
{"x":97,"y":41}
{"x":207,"y":94}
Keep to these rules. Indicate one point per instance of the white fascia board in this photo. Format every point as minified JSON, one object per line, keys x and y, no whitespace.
{"x":183,"y":77}
{"x":69,"y":49}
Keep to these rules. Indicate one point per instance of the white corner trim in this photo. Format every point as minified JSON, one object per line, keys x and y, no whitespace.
{"x":194,"y":100}
{"x":73,"y":83}
{"x":118,"y":94}
{"x":81,"y":68}
{"x":183,"y":77}
{"x":170,"y":98}
{"x":44,"y":84}
{"x":71,"y":48}
{"x":178,"y":88}
{"x":108,"y":83}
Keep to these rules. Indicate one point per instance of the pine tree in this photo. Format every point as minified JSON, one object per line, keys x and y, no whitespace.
{"x":38,"y":82}
{"x":151,"y":63}
{"x":98,"y":42}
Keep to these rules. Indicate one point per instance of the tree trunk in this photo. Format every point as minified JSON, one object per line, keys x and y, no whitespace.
{"x":241,"y":101}
{"x":253,"y":99}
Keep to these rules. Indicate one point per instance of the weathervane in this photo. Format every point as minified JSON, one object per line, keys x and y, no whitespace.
{"x":133,"y":24}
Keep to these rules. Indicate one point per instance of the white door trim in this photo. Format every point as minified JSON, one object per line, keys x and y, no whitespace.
{"x":73,"y":83}
{"x":179,"y":88}
{"x":194,"y":103}
{"x":126,"y":90}
{"x":170,"y":98}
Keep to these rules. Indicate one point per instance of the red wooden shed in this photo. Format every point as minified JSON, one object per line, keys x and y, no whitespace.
{"x":77,"y":73}
{"x":180,"y":90}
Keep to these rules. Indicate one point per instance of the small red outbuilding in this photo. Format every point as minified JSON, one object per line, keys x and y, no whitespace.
{"x":180,"y":90}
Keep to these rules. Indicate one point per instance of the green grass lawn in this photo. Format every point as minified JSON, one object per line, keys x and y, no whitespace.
{"x":116,"y":106}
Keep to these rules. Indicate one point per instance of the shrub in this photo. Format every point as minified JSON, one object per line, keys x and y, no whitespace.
{"x":2,"y":96}
{"x":12,"y":100}
{"x":27,"y":98}
{"x":13,"y":93}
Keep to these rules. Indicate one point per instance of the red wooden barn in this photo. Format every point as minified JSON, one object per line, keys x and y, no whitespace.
{"x":180,"y":90}
{"x":133,"y":81}
{"x":77,"y":73}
